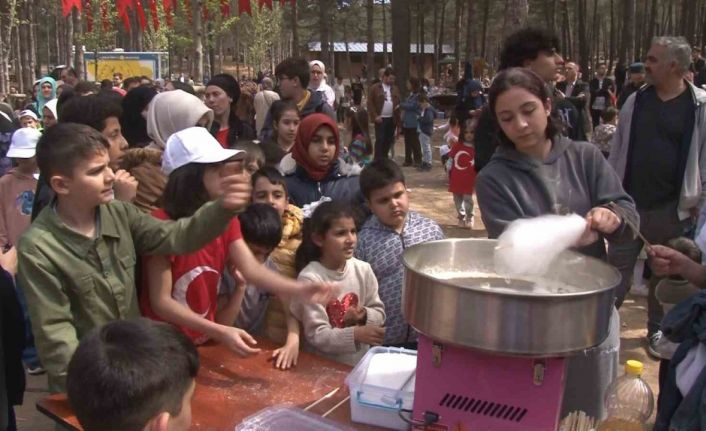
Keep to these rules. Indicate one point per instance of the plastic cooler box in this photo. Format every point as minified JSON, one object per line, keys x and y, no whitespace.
{"x":283,"y":418}
{"x":381,"y":385}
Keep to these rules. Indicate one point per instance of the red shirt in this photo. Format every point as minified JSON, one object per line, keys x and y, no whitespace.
{"x":462,"y":177}
{"x":222,"y":137}
{"x":195,"y":277}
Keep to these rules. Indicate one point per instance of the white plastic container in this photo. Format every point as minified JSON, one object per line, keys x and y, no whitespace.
{"x":284,"y":418}
{"x":381,"y":385}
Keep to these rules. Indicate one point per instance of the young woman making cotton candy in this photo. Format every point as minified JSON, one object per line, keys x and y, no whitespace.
{"x":537,"y":171}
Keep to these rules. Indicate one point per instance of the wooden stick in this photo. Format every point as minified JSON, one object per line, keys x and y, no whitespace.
{"x":329,"y":395}
{"x":336,"y":406}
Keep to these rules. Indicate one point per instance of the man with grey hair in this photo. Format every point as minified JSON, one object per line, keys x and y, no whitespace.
{"x":659,"y":150}
{"x":263,"y":100}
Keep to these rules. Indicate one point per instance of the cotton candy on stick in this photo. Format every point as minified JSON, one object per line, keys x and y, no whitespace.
{"x":528,"y":246}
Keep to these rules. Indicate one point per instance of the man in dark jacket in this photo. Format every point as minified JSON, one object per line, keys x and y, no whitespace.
{"x":637,"y":80}
{"x":293,"y":76}
{"x":602,"y":91}
{"x":575,"y":91}
{"x":384,"y":111}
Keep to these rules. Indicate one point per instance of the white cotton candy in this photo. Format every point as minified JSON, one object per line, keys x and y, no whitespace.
{"x":528,"y":246}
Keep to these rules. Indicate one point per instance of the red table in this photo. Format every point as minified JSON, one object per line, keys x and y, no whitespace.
{"x":230,"y":388}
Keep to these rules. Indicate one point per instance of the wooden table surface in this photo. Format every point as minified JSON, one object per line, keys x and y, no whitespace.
{"x":230,"y":388}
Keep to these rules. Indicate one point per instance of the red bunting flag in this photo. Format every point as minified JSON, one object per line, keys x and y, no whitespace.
{"x":141,"y":18}
{"x":282,"y":2}
{"x":153,"y":14}
{"x":104,"y":16}
{"x":244,"y":7}
{"x":168,"y":7}
{"x":225,"y":8}
{"x":89,"y":16}
{"x":187,"y":7}
{"x":67,"y":5}
{"x":267,"y":3}
{"x":122,"y":6}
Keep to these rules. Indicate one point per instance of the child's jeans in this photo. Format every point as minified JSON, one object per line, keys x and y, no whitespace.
{"x":425,"y":141}
{"x":464,"y":206}
{"x":29,"y":354}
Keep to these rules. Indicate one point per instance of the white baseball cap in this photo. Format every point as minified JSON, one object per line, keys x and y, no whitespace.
{"x":193,"y":145}
{"x":24,"y":143}
{"x":29,"y":113}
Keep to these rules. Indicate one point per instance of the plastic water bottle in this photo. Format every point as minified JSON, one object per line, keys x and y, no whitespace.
{"x":629,"y":401}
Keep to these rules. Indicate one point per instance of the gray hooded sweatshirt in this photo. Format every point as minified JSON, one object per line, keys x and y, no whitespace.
{"x":575,"y":177}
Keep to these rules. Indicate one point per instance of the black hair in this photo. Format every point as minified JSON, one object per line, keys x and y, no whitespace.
{"x":388,"y":71}
{"x":106,"y":84}
{"x":91,"y":110}
{"x":261,"y":225}
{"x":70,"y":71}
{"x":360,"y":126}
{"x":132,"y":122}
{"x":231,"y":87}
{"x":526,"y":44}
{"x":126,"y":372}
{"x":319,"y":223}
{"x":129,"y":81}
{"x":609,"y":114}
{"x":119,"y":74}
{"x":453,"y":120}
{"x":253,"y":152}
{"x":85,"y":87}
{"x":294,"y":67}
{"x":528,"y":80}
{"x":273,"y":176}
{"x":178,"y":85}
{"x":378,"y":174}
{"x":415,"y":84}
{"x":62,"y":147}
{"x":185,"y":192}
{"x":279,"y":107}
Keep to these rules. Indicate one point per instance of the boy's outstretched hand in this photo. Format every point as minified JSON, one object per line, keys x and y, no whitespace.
{"x":319,"y":292}
{"x":665,"y":261}
{"x":235,"y":186}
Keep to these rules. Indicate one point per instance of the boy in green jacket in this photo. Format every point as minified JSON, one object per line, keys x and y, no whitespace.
{"x":77,"y":260}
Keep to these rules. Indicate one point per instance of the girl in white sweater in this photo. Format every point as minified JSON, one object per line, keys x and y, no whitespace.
{"x":347,"y":326}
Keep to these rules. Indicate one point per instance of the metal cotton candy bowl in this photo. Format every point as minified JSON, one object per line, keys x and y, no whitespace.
{"x":453,"y":295}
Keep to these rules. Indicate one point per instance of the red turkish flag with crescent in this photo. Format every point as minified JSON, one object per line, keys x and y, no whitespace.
{"x":89,"y":16}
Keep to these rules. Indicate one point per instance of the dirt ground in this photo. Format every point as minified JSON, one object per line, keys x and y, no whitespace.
{"x":429,"y":197}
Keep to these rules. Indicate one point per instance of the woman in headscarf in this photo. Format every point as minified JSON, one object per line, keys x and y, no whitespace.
{"x":50,"y":114}
{"x":222,"y":94}
{"x":313,"y":169}
{"x":46,"y":91}
{"x":168,"y":113}
{"x":134,"y":118}
{"x":317,"y":82}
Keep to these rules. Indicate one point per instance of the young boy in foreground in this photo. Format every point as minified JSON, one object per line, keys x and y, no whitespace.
{"x":148,"y":369}
{"x":77,"y":260}
{"x":385,"y":235}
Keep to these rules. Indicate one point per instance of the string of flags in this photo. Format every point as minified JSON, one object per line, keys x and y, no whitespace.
{"x":123,"y":8}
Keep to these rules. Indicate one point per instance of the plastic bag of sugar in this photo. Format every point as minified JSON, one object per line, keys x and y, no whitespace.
{"x":528,"y":246}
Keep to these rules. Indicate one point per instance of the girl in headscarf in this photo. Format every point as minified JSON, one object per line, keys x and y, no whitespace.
{"x":317,"y":82}
{"x":222,"y":94}
{"x":313,"y":169}
{"x":168,"y":113}
{"x":45,"y":93}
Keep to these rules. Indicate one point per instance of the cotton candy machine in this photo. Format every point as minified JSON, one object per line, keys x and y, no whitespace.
{"x":491,"y":349}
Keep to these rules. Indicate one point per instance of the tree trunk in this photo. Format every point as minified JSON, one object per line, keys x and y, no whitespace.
{"x":69,"y":42}
{"x":516,"y":13}
{"x":484,"y":37}
{"x":324,"y":32}
{"x":197,"y":41}
{"x":16,"y":55}
{"x":582,"y":15}
{"x":295,"y":30}
{"x":420,"y":39}
{"x":401,"y":38}
{"x":566,"y":29}
{"x":33,"y":51}
{"x":437,"y":48}
{"x":627,"y":50}
{"x":690,"y":27}
{"x":457,"y":36}
{"x":78,"y":55}
{"x":370,"y":55}
{"x":385,"y":56}
{"x":470,"y":30}
{"x":596,"y":36}
{"x":24,"y":54}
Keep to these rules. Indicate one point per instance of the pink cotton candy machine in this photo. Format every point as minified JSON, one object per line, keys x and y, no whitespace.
{"x":491,"y":349}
